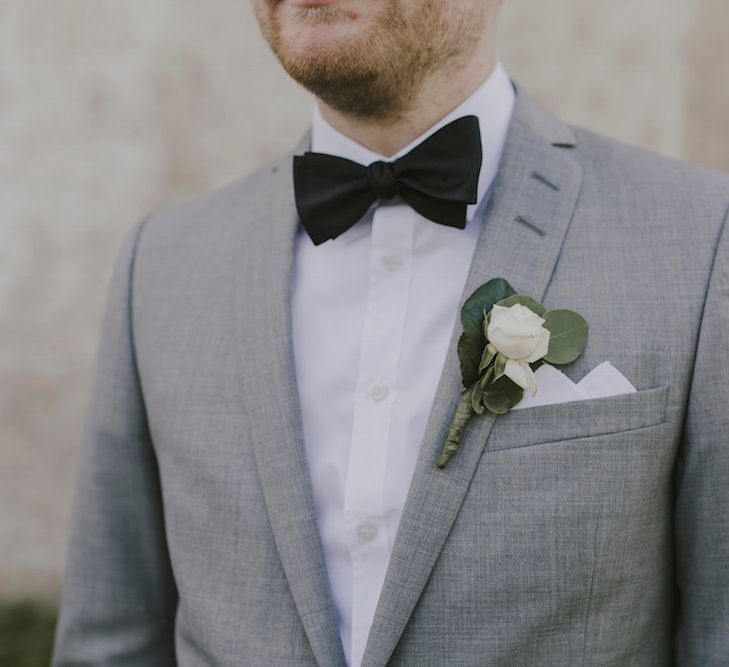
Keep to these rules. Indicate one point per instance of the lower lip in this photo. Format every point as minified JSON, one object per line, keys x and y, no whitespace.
{"x":310,"y":3}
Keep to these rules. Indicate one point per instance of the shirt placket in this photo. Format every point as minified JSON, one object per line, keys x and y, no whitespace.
{"x":390,"y":268}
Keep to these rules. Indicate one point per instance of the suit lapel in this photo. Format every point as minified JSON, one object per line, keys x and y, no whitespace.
{"x":271,"y":401}
{"x":531,"y":204}
{"x":530,"y":207}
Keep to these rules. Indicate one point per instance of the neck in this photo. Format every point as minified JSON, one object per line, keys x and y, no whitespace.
{"x":439,"y":93}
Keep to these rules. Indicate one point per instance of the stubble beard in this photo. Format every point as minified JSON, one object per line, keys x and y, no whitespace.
{"x":377,"y":73}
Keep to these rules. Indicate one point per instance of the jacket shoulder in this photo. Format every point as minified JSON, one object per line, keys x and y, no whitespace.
{"x":645,"y":178}
{"x":213,"y":211}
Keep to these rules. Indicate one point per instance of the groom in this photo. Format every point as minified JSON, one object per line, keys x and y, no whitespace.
{"x":278,"y":369}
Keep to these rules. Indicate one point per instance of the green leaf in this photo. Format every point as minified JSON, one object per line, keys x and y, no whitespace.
{"x":473,"y":340}
{"x":469,"y":356}
{"x":477,"y":390}
{"x":524,"y":300}
{"x":567,"y":336}
{"x":489,"y":352}
{"x":499,"y":366}
{"x":483,"y":299}
{"x":486,"y":320}
{"x":502,"y":395}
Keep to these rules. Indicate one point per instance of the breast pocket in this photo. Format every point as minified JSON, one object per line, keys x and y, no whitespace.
{"x":579,"y":419}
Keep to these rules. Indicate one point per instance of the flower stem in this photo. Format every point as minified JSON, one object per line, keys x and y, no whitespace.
{"x":458,"y":426}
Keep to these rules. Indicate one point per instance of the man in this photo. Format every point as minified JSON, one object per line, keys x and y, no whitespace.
{"x":278,"y":371}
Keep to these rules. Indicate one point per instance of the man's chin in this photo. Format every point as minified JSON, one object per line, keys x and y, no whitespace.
{"x":339,"y":51}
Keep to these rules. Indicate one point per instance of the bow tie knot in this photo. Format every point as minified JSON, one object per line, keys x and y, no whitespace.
{"x":383,"y":181}
{"x":438,"y":179}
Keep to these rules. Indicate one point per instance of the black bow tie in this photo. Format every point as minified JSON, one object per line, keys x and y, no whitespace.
{"x":438,"y":178}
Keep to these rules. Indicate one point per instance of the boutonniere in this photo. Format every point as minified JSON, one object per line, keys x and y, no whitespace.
{"x":504,"y":334}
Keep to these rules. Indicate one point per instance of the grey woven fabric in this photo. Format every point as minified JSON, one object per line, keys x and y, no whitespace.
{"x":585,"y":533}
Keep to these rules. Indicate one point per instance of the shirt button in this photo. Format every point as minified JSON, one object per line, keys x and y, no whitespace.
{"x":367,"y":531}
{"x":391,"y":260}
{"x":377,"y":392}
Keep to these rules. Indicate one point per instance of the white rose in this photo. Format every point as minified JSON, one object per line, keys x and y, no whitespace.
{"x":517,"y":333}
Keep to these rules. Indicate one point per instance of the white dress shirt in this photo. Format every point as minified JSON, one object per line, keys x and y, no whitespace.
{"x":372,"y":315}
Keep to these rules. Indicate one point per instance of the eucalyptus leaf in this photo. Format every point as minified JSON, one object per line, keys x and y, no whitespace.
{"x":524,"y":300}
{"x":567,"y":336}
{"x":502,"y":395}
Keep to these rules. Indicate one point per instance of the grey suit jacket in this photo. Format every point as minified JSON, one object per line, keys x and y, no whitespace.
{"x":586,"y":533}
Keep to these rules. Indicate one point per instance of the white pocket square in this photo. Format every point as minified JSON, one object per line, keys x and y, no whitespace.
{"x":553,"y":386}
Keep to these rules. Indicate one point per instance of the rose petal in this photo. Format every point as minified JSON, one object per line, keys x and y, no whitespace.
{"x":521,"y":373}
{"x":516,"y":332}
{"x":511,"y":344}
{"x":542,"y":346}
{"x":526,"y":316}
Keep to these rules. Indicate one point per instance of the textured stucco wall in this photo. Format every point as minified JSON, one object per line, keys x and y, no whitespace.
{"x":111,"y":109}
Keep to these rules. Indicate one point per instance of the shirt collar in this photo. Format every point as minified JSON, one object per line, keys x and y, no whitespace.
{"x":492,"y":103}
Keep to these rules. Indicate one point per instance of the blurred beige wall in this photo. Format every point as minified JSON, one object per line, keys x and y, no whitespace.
{"x":111,"y":109}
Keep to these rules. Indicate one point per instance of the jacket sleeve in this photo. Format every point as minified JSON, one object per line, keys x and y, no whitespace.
{"x":119,"y":597}
{"x":702,"y":478}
